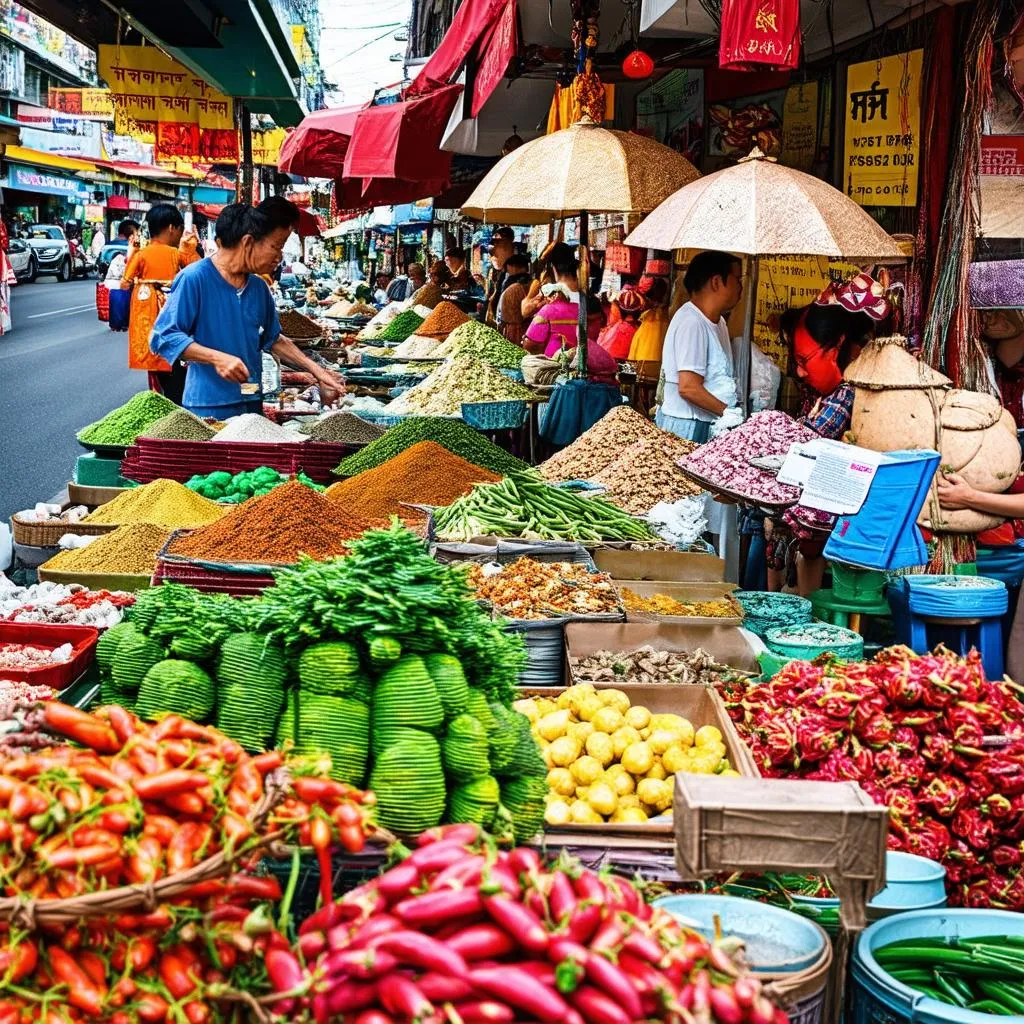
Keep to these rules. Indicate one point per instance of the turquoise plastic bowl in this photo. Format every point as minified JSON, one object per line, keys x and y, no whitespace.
{"x":911,"y":883}
{"x":777,"y":941}
{"x":878,"y":998}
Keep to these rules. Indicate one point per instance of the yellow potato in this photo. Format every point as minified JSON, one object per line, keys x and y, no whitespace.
{"x":581,"y":813}
{"x":554,"y":725}
{"x":545,"y":706}
{"x":586,"y":769}
{"x":614,"y":699}
{"x":557,"y":813}
{"x":582,"y":792}
{"x":561,"y":781}
{"x":563,"y":751}
{"x":676,"y":758}
{"x":666,"y":720}
{"x":706,"y":735}
{"x":712,"y":748}
{"x":629,"y":816}
{"x":629,"y":800}
{"x":607,"y":720}
{"x":602,"y":798}
{"x":655,"y":793}
{"x":661,"y":739}
{"x":528,"y":707}
{"x":637,"y":716}
{"x":637,"y":759}
{"x":623,"y":738}
{"x":645,"y":732}
{"x":685,"y":729}
{"x":600,"y":746}
{"x":657,"y":771}
{"x":588,"y":707}
{"x":576,"y":695}
{"x":579,"y":731}
{"x":729,"y":773}
{"x":704,"y":764}
{"x":623,"y":783}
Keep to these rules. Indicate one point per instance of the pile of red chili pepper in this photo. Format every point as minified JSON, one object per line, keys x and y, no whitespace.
{"x":914,"y":731}
{"x":137,"y":804}
{"x":459,"y":931}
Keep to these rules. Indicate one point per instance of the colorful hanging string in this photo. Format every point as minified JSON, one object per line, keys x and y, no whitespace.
{"x":950,"y":332}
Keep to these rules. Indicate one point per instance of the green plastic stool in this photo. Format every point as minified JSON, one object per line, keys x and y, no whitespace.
{"x":847,"y":613}
{"x":851,"y":584}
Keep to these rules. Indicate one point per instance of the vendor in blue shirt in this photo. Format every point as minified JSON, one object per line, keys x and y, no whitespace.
{"x":220,"y":316}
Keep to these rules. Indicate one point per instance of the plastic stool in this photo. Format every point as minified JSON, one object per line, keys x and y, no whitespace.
{"x":846,"y":612}
{"x":985,"y":632}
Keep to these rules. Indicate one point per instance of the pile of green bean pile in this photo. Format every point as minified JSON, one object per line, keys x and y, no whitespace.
{"x":985,"y":973}
{"x":523,"y":505}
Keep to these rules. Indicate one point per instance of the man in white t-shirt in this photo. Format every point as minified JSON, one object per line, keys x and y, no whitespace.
{"x":697,"y":355}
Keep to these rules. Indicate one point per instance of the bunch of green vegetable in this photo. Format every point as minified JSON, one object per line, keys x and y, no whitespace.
{"x":482,"y":342}
{"x":523,"y":505}
{"x":222,"y":486}
{"x":983,"y":973}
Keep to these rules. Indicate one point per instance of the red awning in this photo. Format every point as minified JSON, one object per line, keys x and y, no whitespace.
{"x":309,"y":224}
{"x":403,"y":140}
{"x":497,"y":47}
{"x":362,"y":194}
{"x":317,"y":147}
{"x":209,"y":210}
{"x":472,"y":22}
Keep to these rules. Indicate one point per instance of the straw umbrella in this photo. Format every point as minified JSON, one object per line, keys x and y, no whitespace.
{"x":760,"y":208}
{"x":577,"y":171}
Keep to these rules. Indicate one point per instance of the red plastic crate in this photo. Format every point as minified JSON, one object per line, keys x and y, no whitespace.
{"x":48,"y":637}
{"x":235,"y":584}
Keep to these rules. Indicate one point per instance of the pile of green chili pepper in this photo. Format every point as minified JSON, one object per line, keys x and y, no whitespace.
{"x":985,"y":973}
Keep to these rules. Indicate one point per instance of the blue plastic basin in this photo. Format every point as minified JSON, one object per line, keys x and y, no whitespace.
{"x":911,"y":883}
{"x":777,"y":941}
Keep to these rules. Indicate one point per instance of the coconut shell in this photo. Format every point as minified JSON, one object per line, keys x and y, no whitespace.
{"x":888,"y":421}
{"x":885,"y":363}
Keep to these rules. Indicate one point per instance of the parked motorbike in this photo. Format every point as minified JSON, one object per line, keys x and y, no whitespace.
{"x":82,"y":263}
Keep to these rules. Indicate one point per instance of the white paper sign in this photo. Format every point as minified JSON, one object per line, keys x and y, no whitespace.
{"x":841,"y":478}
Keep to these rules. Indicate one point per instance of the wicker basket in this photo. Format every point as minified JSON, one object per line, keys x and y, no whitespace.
{"x":48,"y":535}
{"x":97,"y":580}
{"x":93,"y":497}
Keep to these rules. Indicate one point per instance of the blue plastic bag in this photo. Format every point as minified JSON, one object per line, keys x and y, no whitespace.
{"x":574,"y":407}
{"x":120,"y":304}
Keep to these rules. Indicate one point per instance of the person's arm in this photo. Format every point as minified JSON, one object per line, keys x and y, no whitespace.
{"x":133,"y":268}
{"x":172,"y":336}
{"x":957,"y":493}
{"x":691,"y":387}
{"x":286,"y":350}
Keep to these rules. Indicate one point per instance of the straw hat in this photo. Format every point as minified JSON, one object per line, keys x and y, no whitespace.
{"x":885,"y":364}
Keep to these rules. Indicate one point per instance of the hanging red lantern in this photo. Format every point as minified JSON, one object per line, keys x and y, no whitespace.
{"x":637,"y":65}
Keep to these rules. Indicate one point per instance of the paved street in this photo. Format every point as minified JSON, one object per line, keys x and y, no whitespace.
{"x":60,"y":368}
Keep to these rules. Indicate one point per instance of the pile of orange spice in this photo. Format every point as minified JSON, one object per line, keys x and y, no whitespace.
{"x":277,"y":528}
{"x":424,"y":474}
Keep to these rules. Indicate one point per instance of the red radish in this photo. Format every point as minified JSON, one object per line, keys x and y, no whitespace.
{"x":374,"y":1017}
{"x":346,"y":996}
{"x":541,"y":971}
{"x":643,"y":946}
{"x":561,"y":898}
{"x":381,"y":924}
{"x":396,"y":884}
{"x":524,"y":861}
{"x":403,"y":997}
{"x":724,"y":1005}
{"x":361,"y":964}
{"x":436,"y":856}
{"x":433,"y":908}
{"x":484,"y":1011}
{"x":597,"y":1008}
{"x":501,"y":875}
{"x":441,"y":988}
{"x":585,"y":920}
{"x":463,"y":833}
{"x":746,"y":990}
{"x":425,"y":952}
{"x":312,"y":944}
{"x":516,"y":988}
{"x":482,"y":942}
{"x":466,"y":871}
{"x":520,"y":922}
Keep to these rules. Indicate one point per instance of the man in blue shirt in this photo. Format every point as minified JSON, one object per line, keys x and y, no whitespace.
{"x":220,"y":316}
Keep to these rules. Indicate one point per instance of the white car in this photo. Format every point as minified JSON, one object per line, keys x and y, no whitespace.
{"x":50,"y":247}
{"x":23,"y":260}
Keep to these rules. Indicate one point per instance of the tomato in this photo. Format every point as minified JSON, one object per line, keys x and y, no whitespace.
{"x":145,"y":863}
{"x":82,"y":990}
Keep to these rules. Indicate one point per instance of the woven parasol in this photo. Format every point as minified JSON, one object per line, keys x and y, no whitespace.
{"x":885,"y":364}
{"x":761,"y":208}
{"x":577,"y":171}
{"x":581,"y":169}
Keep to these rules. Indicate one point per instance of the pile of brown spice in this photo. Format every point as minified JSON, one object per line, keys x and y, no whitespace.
{"x":298,"y":327}
{"x":442,"y":321}
{"x":424,"y":474}
{"x":275,"y":529}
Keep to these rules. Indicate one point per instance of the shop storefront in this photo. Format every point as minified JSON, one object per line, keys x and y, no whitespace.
{"x":38,"y":195}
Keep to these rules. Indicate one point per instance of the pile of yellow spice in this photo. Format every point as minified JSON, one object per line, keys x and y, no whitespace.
{"x":163,"y":503}
{"x":128,"y":550}
{"x":662,"y":604}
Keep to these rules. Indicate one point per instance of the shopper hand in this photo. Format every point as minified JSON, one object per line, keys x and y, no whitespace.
{"x":231,"y":368}
{"x":954,"y":491}
{"x":330,"y":391}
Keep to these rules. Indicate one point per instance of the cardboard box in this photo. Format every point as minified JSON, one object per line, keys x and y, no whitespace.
{"x":726,"y":644}
{"x":702,"y":706}
{"x":685,"y":592}
{"x":830,"y":828}
{"x":676,"y":566}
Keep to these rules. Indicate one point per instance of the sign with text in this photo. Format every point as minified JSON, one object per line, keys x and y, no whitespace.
{"x":31,"y":180}
{"x":790,"y":282}
{"x":883,"y":121}
{"x":1002,"y":155}
{"x":187,"y":118}
{"x":800,"y":126}
{"x":94,"y":104}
